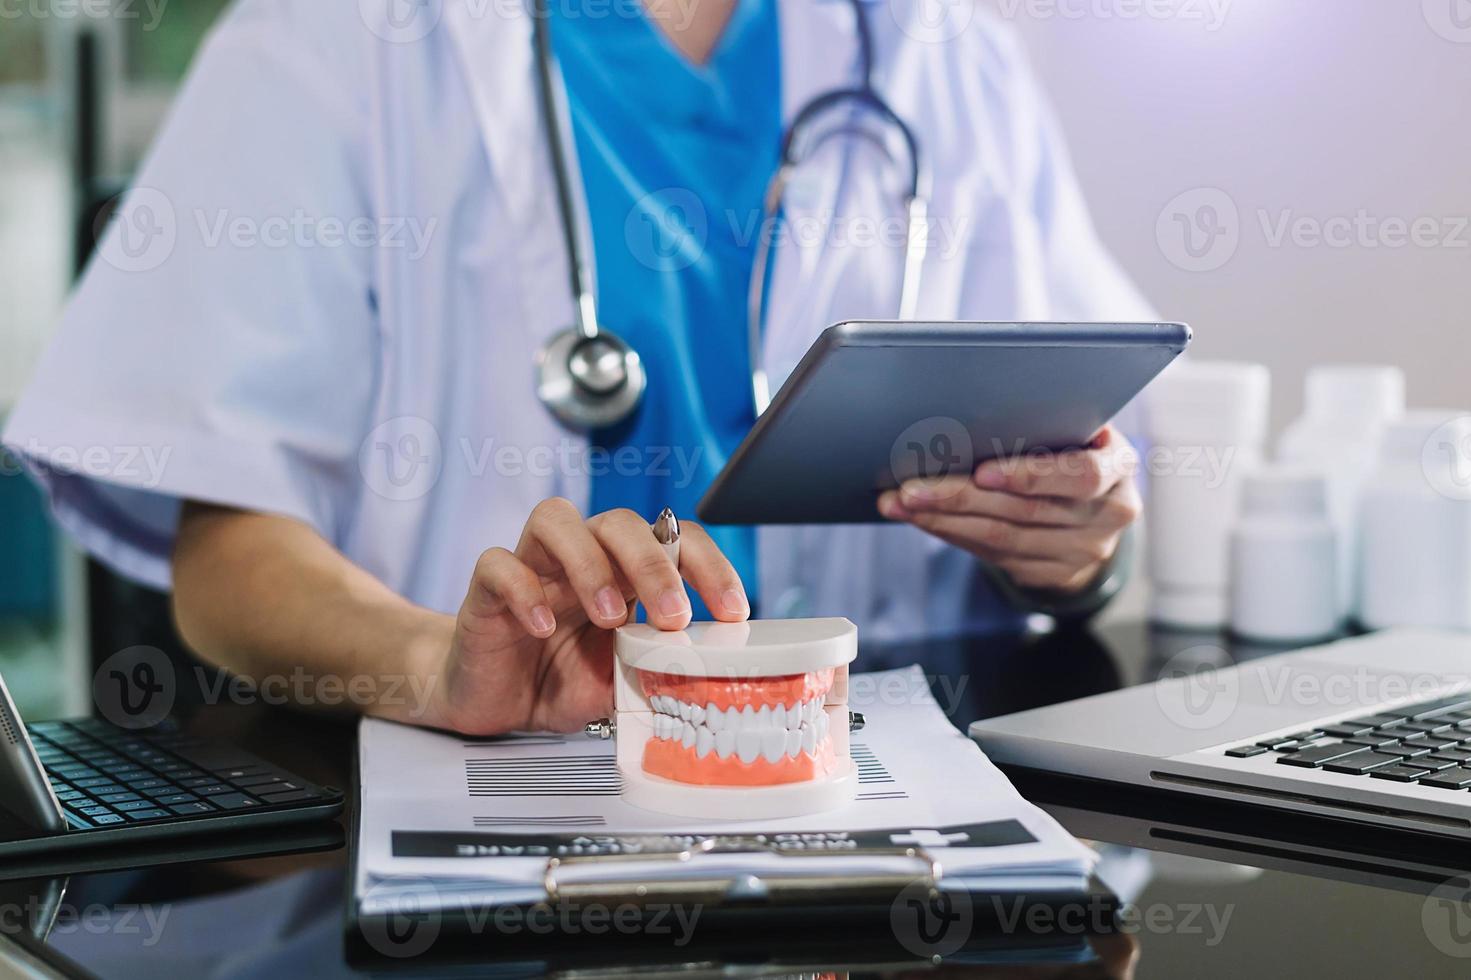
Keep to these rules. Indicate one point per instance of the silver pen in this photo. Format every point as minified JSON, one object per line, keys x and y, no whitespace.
{"x":666,"y":532}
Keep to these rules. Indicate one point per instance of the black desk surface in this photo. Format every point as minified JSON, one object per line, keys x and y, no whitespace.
{"x":1212,"y":891}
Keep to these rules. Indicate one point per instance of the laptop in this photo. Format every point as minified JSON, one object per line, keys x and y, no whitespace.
{"x":66,"y":785}
{"x":1374,"y":729}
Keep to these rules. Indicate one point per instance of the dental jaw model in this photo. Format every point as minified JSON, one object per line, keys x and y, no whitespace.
{"x":735,"y":721}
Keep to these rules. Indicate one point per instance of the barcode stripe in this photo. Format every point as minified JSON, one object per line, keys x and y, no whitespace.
{"x":589,"y":757}
{"x":550,"y":818}
{"x":533,"y":793}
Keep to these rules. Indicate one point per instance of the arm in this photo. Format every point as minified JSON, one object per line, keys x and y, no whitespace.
{"x":531,"y":647}
{"x":325,"y":613}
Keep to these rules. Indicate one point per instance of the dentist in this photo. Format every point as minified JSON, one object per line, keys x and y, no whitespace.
{"x":329,"y":302}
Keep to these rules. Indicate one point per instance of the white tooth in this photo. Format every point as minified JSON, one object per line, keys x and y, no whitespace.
{"x":794,"y":742}
{"x":763,"y":717}
{"x":684,"y":710}
{"x":725,"y":743}
{"x":697,"y":714}
{"x":779,"y":716}
{"x":807,"y":710}
{"x":714,"y":717}
{"x":733,"y":718}
{"x":661,"y":726}
{"x":687,"y":735}
{"x":748,"y":745}
{"x":773,"y":744}
{"x":822,"y":723}
{"x":809,"y":739}
{"x":658,"y":702}
{"x":704,"y":742}
{"x":748,"y":719}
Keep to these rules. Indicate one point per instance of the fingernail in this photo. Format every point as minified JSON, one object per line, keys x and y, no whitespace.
{"x":889,"y":506}
{"x":734,"y":601}
{"x":672,"y":602}
{"x":610,"y":603}
{"x":990,"y":478}
{"x":918,"y":492}
{"x":542,"y":620}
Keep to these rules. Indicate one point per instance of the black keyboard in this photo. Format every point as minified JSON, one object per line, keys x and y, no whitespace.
{"x":1428,"y":743}
{"x":108,"y":777}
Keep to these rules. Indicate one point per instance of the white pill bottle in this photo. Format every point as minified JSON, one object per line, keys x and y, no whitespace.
{"x":1206,"y":422}
{"x":1414,"y":562}
{"x":1345,"y":410}
{"x":1284,"y":565}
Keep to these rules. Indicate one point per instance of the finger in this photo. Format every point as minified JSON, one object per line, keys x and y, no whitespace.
{"x":628,"y":539}
{"x":1074,"y":474}
{"x":711,"y":573}
{"x":503,"y":583}
{"x":1122,"y":507}
{"x":556,"y":535}
{"x":998,"y":538}
{"x":1052,"y":576}
{"x":958,"y":495}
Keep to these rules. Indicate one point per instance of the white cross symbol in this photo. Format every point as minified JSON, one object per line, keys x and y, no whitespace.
{"x":928,"y":838}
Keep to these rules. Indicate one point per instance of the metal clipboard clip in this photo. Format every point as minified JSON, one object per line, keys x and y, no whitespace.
{"x":727,"y":888}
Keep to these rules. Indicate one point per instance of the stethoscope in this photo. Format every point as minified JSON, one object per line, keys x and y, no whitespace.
{"x":589,"y":377}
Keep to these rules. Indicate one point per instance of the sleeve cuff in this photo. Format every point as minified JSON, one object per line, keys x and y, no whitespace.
{"x":1071,"y":606}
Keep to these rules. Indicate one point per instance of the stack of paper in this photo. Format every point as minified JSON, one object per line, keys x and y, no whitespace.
{"x":473,"y":822}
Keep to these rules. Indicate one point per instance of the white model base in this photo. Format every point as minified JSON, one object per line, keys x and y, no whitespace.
{"x":728,"y":803}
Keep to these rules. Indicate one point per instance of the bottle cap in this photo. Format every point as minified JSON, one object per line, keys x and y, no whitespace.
{"x":1408,"y":436}
{"x":1284,"y":489}
{"x":1365,"y":394}
{"x":1213,"y":402}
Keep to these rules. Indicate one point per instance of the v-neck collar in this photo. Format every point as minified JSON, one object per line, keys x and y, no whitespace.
{"x":731,"y":36}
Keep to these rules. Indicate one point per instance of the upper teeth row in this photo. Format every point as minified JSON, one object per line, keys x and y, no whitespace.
{"x":767,"y":716}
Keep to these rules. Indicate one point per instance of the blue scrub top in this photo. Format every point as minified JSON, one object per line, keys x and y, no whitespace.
{"x":675,"y":158}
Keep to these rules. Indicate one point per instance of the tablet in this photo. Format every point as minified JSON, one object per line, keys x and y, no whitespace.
{"x":873,"y":404}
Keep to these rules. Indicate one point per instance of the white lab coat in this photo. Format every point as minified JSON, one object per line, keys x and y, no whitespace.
{"x":248,"y":362}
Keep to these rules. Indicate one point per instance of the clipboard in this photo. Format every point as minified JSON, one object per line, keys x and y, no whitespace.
{"x":765,"y":893}
{"x":799,"y":922}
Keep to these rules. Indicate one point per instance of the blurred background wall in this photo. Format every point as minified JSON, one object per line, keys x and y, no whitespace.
{"x":1286,"y":175}
{"x":1320,"y":117}
{"x":83,"y":87}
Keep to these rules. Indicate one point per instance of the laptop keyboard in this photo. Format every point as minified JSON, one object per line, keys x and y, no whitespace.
{"x":109,"y":777}
{"x":1427,"y":743}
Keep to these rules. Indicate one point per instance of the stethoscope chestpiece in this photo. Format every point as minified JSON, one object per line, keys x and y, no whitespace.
{"x":589,"y":382}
